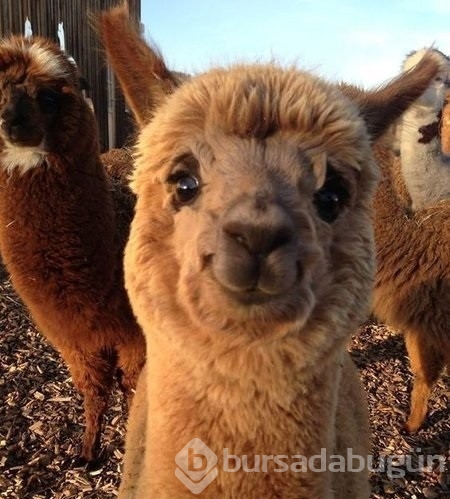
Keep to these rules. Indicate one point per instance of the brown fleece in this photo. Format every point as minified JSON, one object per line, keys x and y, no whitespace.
{"x":412,"y":287}
{"x":63,"y":226}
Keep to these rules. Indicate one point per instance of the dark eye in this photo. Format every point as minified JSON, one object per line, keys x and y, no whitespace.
{"x":187,"y":187}
{"x":331,"y":198}
{"x":48,"y":101}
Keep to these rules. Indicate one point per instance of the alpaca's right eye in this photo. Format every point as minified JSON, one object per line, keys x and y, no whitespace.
{"x":328,"y":204}
{"x":186,"y":187}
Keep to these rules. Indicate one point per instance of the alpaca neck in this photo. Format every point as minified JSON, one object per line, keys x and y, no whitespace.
{"x":56,"y":222}
{"x":425,"y":169}
{"x":392,"y":201}
{"x":264,"y":406}
{"x":21,"y":159}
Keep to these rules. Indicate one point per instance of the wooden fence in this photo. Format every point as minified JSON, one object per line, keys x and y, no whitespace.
{"x":115,"y":124}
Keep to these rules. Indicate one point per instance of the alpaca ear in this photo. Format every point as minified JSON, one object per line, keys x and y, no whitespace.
{"x":382,"y":107}
{"x":143,"y":75}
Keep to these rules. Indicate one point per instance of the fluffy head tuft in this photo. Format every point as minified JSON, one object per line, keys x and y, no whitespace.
{"x":35,"y":57}
{"x":261,"y":102}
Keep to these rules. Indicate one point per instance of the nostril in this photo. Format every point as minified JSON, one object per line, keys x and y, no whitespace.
{"x":7,"y":115}
{"x":281,"y":237}
{"x":237,"y":232}
{"x":14,"y":131}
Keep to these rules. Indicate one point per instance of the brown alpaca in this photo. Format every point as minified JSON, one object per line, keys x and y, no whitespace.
{"x":412,"y":287}
{"x":249,"y":265}
{"x":60,"y":238}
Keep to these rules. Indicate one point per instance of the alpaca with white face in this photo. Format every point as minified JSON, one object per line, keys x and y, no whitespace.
{"x":425,"y":167}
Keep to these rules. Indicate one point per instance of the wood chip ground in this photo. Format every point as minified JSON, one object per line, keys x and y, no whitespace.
{"x":41,"y":421}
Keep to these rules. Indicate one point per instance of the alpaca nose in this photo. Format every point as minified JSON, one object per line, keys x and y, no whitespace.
{"x":257,"y":250}
{"x":260,"y":237}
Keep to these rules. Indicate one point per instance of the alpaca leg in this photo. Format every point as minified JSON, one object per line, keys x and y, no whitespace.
{"x":426,"y":365}
{"x":93,"y":376}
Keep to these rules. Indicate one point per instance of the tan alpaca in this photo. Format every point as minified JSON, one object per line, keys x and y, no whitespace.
{"x":249,"y":264}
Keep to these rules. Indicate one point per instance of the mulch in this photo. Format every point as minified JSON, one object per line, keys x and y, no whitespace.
{"x":41,"y":423}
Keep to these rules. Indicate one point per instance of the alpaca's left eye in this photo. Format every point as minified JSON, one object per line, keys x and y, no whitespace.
{"x":186,"y":187}
{"x":331,"y":198}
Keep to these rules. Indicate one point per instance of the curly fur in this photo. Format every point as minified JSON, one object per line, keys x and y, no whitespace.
{"x":61,"y":236}
{"x":248,"y":293}
{"x":412,"y":287}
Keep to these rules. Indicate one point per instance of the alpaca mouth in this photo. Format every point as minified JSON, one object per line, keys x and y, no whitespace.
{"x":252,"y":296}
{"x":258,"y":287}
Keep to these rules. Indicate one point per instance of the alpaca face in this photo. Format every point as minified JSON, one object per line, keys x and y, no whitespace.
{"x":251,"y":185}
{"x":34,"y":76}
{"x":25,"y":118}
